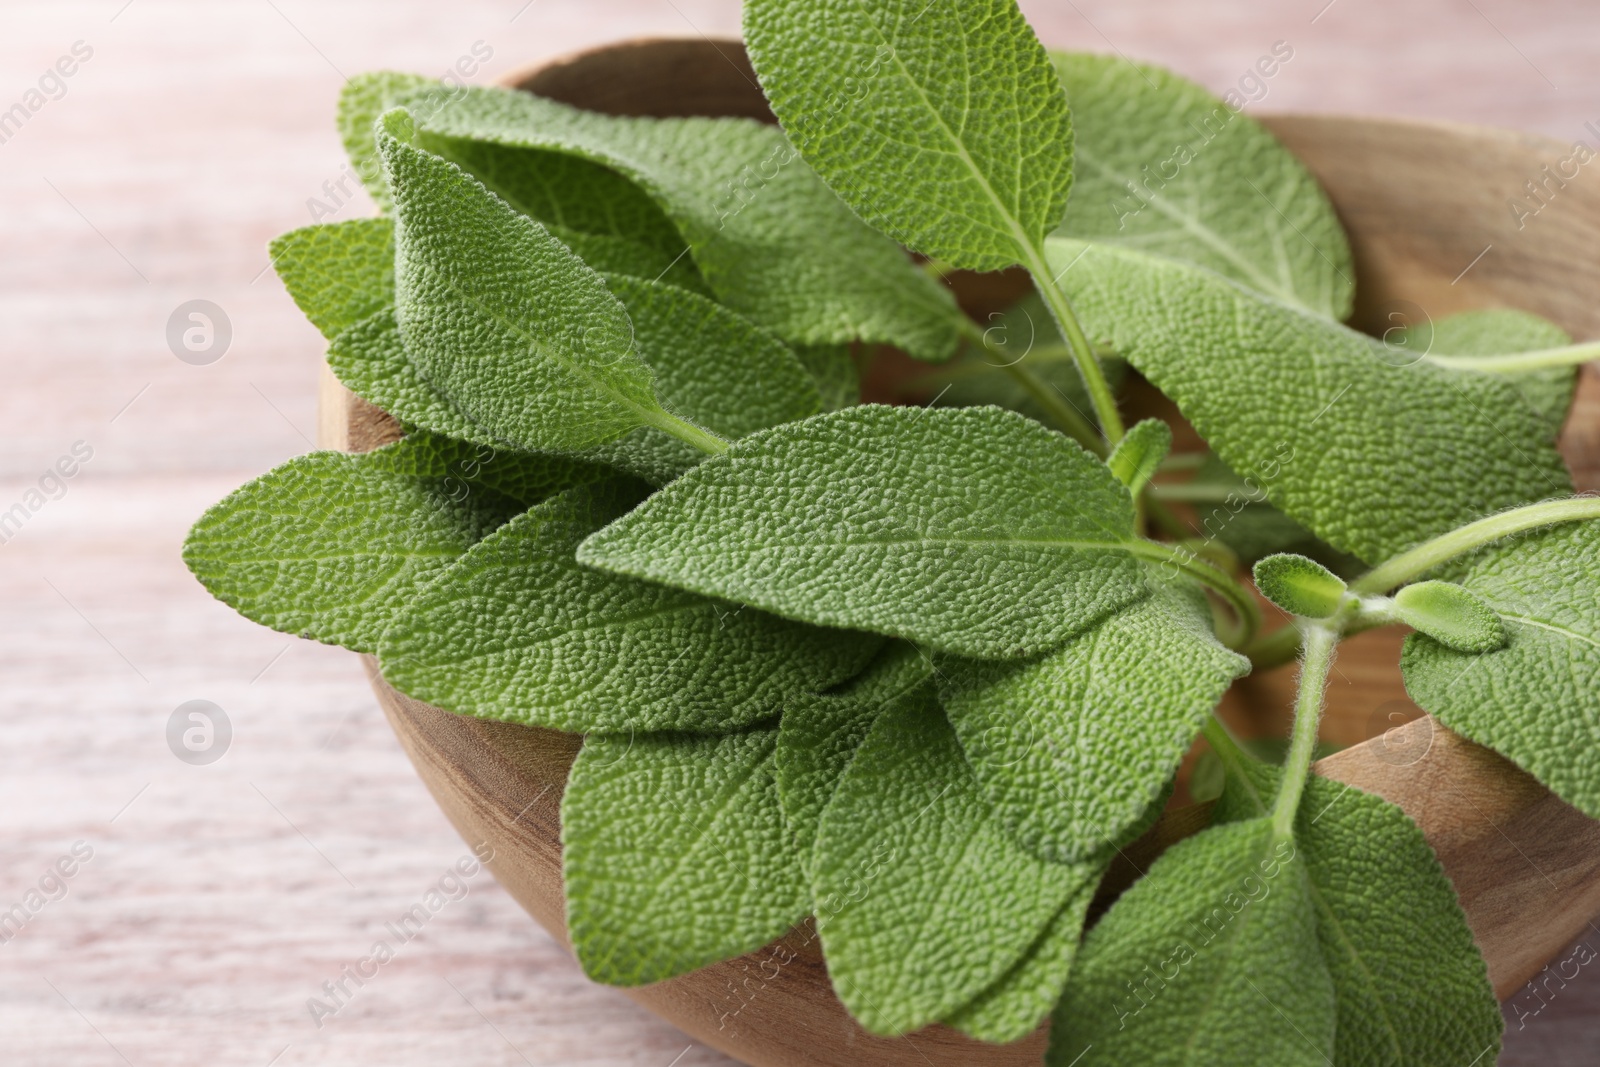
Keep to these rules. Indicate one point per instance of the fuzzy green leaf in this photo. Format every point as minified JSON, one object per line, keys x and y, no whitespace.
{"x":333,"y":546}
{"x":1211,"y":958}
{"x":1299,"y":585}
{"x":1168,"y":169}
{"x":770,"y":239}
{"x":516,"y":630}
{"x":1370,"y":456}
{"x":1501,"y":332}
{"x":922,"y":899}
{"x":609,"y":221}
{"x":503,"y":319}
{"x":1073,"y":746}
{"x":338,"y":273}
{"x":820,"y":734}
{"x":364,"y":99}
{"x":1014,"y":1006}
{"x":942,"y":124}
{"x":1137,"y":455}
{"x":1409,"y":982}
{"x":674,"y":854}
{"x":972,"y":530}
{"x":1534,"y":700}
{"x":462,"y":466}
{"x":1455,"y":617}
{"x":833,"y":368}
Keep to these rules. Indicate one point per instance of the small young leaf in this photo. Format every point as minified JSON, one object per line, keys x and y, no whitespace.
{"x":1501,"y":332}
{"x":1455,"y":617}
{"x":820,"y":734}
{"x":1168,"y":169}
{"x":1534,"y":700}
{"x":972,"y":530}
{"x":1213,"y":957}
{"x":1372,"y":457}
{"x":1299,"y":585}
{"x":1014,"y":1006}
{"x":502,"y":317}
{"x":770,"y":239}
{"x":674,"y":854}
{"x":338,"y":273}
{"x":1072,"y":747}
{"x":515,"y":630}
{"x":922,"y":899}
{"x":333,"y":546}
{"x":365,"y":97}
{"x":944,"y":125}
{"x":1137,"y":455}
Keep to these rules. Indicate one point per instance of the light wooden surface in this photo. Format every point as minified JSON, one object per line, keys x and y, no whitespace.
{"x":217,"y":902}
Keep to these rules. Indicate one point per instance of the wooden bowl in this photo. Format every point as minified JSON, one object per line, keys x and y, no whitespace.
{"x":1425,"y":205}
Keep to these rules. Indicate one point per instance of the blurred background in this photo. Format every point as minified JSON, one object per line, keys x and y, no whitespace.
{"x":213,"y":892}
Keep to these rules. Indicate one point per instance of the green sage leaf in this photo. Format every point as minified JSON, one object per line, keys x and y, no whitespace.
{"x":338,"y":273}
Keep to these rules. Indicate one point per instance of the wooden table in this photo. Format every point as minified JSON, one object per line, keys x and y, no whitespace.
{"x":219,"y":898}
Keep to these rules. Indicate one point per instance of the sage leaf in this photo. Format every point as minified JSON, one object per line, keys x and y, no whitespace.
{"x":1410,"y":985}
{"x":923,"y":901}
{"x":364,"y":99}
{"x":1072,"y":747}
{"x":943,"y":125}
{"x":503,"y":318}
{"x":516,"y":630}
{"x":1014,"y":1006}
{"x":820,"y":734}
{"x":1166,"y":168}
{"x":1139,"y":453}
{"x":834,"y":370}
{"x":1455,"y":617}
{"x":1372,"y":457}
{"x":1300,"y":586}
{"x":769,"y":238}
{"x":972,"y":530}
{"x":332,"y":546}
{"x":673,"y":854}
{"x":338,"y":273}
{"x":1212,"y":957}
{"x":1533,"y":700}
{"x":1501,"y":332}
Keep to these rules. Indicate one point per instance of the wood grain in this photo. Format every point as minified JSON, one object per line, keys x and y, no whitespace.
{"x":1526,"y":865}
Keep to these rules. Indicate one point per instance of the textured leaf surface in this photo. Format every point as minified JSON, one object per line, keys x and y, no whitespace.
{"x":461,"y":467}
{"x":1164,"y":167}
{"x":1535,"y":700}
{"x":1503,"y":331}
{"x":338,"y":273}
{"x":1073,"y":746}
{"x":973,"y":530}
{"x":674,"y":854}
{"x":942,"y":124}
{"x":923,"y":900}
{"x":502,"y":318}
{"x":834,"y":370}
{"x":1372,"y":457}
{"x":769,"y":238}
{"x":332,"y":546}
{"x":1211,"y":958}
{"x":517,"y":630}
{"x":364,"y":99}
{"x":1013,"y":1007}
{"x":1410,"y":984}
{"x":820,"y":734}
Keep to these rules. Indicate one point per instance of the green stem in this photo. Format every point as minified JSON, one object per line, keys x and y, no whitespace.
{"x":1425,"y":557}
{"x":1522,"y":362}
{"x":1094,"y":377}
{"x":684,"y":430}
{"x":1198,"y":494}
{"x":1321,"y":644}
{"x":1245,"y":610}
{"x":1065,"y":416}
